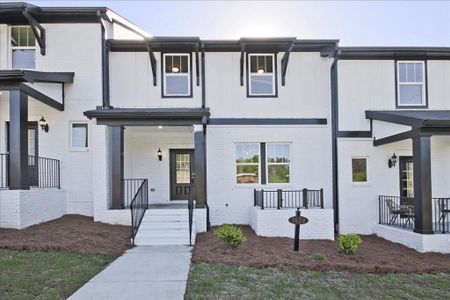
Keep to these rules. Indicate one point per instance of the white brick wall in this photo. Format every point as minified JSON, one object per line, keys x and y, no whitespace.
{"x":20,"y":209}
{"x":274,"y":223}
{"x":419,"y":242}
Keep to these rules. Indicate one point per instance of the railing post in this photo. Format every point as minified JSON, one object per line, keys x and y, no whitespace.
{"x":321,"y":198}
{"x":279,"y":198}
{"x":305,"y":198}
{"x":379,"y":209}
{"x":254,"y":197}
{"x":262,"y":199}
{"x":59,"y":173}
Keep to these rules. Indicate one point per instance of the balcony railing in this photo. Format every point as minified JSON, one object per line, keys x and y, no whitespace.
{"x":43,"y":172}
{"x":279,"y":198}
{"x":400,"y":212}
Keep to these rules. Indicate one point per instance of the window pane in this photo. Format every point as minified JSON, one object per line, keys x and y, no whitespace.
{"x":278,"y":153}
{"x":247,"y":153}
{"x":176,"y":64}
{"x":177,"y":85}
{"x":168,"y":61}
{"x":24,"y":59}
{"x":402,"y":72}
{"x":184,"y":64}
{"x":253,"y":64}
{"x":14,"y":36}
{"x":79,"y":136}
{"x":261,"y":85}
{"x":278,"y":173}
{"x":359,"y":170}
{"x":410,"y":77}
{"x":410,"y":94}
{"x":247,"y":174}
{"x":269,"y":62}
{"x":183,"y":168}
{"x":23,"y":36}
{"x":418,"y":70}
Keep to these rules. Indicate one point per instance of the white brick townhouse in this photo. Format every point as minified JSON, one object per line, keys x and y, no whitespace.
{"x":99,"y":118}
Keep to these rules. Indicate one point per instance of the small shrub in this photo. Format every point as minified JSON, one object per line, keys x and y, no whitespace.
{"x":320,"y":257}
{"x":230,"y":234}
{"x":348,"y":243}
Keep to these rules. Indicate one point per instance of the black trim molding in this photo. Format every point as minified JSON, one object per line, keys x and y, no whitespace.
{"x":261,"y":121}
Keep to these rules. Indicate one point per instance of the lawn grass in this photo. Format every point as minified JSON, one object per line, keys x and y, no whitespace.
{"x":46,"y":275}
{"x":217,"y":281}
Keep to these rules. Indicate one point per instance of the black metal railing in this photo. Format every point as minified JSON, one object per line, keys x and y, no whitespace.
{"x":130,"y":188}
{"x":208,"y":223}
{"x":396,"y":211}
{"x":441,"y":215}
{"x":4,"y":170}
{"x":138,"y":206}
{"x":191,"y":207}
{"x":280,"y":198}
{"x":44,"y":172}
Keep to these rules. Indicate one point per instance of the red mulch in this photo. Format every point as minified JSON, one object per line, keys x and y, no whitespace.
{"x":375,"y":255}
{"x":71,"y":233}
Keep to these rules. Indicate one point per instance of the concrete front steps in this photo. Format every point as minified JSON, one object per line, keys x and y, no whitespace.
{"x":165,"y":226}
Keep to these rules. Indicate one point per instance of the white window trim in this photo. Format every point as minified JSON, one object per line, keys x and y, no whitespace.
{"x":360,"y":183}
{"x":254,"y":164}
{"x":12,"y":48}
{"x":250,"y":74}
{"x":78,"y":149}
{"x":165,"y":75}
{"x":290,"y":165}
{"x":423,"y":103}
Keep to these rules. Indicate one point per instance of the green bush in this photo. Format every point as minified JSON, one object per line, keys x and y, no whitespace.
{"x":348,"y":243}
{"x":320,"y":257}
{"x":230,"y":234}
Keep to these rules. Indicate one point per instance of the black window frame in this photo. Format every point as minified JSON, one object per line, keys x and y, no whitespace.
{"x":275,"y":69}
{"x":425,"y":65}
{"x":190,"y":71}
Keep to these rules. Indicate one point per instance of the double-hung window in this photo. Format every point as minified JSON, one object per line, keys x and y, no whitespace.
{"x":177,"y":75}
{"x":411,"y":83}
{"x":261,"y":75}
{"x":23,"y":48}
{"x":247,"y":163}
{"x":278,"y":162}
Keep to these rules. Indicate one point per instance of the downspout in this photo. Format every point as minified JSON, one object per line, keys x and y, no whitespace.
{"x":105,"y":64}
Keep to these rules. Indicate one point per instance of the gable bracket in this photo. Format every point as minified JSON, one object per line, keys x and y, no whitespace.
{"x":284,"y":63}
{"x":152,"y":62}
{"x":242,"y":63}
{"x":38,"y":30}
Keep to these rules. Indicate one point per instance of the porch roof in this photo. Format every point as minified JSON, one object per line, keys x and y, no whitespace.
{"x":149,"y":116}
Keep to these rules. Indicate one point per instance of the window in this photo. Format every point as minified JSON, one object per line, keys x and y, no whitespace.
{"x":247,"y":163}
{"x":278,"y":163}
{"x":177,"y":76}
{"x":359,"y":169}
{"x":79,"y":136}
{"x":23,"y":48}
{"x":261,"y":75}
{"x":411,"y":83}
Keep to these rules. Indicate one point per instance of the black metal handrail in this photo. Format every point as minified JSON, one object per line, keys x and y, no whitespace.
{"x":304,"y":198}
{"x":4,"y":170}
{"x":441,"y":215}
{"x":130,"y":189}
{"x":138,"y":206}
{"x":191,"y":207}
{"x":44,"y":172}
{"x":396,"y":211}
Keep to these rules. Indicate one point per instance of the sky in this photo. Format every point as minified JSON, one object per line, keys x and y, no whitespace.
{"x":354,"y":23}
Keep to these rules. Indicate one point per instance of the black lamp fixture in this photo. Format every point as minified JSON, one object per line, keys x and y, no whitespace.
{"x":392,"y":161}
{"x":44,"y":124}
{"x":159,"y":153}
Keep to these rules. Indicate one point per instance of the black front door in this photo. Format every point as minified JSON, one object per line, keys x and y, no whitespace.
{"x":406,"y":170}
{"x":33,"y":151}
{"x":181,"y":167}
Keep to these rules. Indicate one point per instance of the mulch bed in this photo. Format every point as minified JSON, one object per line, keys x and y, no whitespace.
{"x":375,"y":255}
{"x":71,"y":233}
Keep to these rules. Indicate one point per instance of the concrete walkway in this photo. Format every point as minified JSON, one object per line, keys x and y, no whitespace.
{"x":144,"y":272}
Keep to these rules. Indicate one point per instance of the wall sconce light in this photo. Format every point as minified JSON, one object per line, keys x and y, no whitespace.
{"x":44,"y":124}
{"x":392,"y":161}
{"x":159,"y":153}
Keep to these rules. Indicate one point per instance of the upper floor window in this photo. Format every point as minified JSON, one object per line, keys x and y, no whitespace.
{"x":411,"y":83}
{"x":261,"y":75}
{"x":23,"y":48}
{"x":177,"y":75}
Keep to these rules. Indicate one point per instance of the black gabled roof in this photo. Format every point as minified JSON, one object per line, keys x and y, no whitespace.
{"x":16,"y":76}
{"x":394,"y":53}
{"x":413,"y":118}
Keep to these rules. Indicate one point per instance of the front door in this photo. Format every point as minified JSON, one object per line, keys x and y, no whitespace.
{"x":406,"y":176}
{"x":181,"y":167}
{"x":33,"y":151}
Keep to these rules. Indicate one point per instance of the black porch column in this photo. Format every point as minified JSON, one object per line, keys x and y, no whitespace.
{"x":200,"y":165}
{"x":18,"y":141}
{"x":117,"y":135}
{"x":422,"y":184}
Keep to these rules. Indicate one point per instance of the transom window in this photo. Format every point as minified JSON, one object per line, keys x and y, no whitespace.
{"x":261,"y":75}
{"x":247,"y":163}
{"x":359,"y":169}
{"x":177,"y":75}
{"x":278,"y":163}
{"x":411,"y":83}
{"x":23,"y":48}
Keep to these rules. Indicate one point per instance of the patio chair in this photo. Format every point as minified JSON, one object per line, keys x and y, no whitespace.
{"x":444,"y":210}
{"x":394,"y":210}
